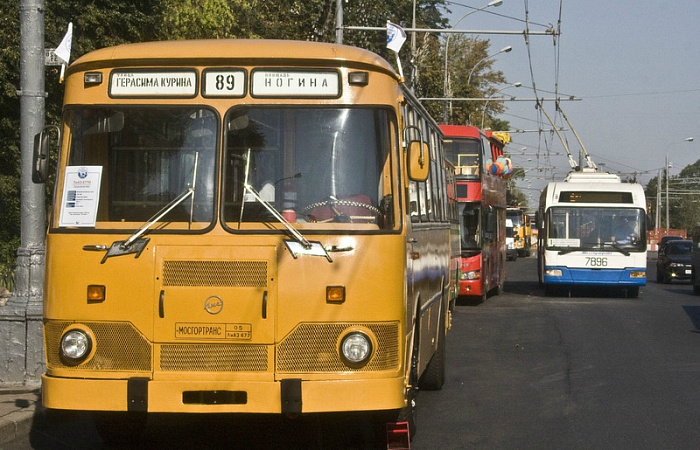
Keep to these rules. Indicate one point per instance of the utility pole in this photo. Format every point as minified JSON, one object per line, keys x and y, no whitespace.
{"x":339,"y":21}
{"x":21,"y":340}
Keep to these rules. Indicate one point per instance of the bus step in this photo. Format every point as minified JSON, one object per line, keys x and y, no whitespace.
{"x":397,"y":436}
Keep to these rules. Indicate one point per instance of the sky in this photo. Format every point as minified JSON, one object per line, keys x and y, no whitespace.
{"x":633,"y":65}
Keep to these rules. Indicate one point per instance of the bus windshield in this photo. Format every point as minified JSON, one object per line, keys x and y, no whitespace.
{"x":464,"y":154}
{"x":318,"y":167}
{"x":470,"y":216}
{"x":315,"y":166}
{"x":149,"y":157}
{"x":596,"y":228}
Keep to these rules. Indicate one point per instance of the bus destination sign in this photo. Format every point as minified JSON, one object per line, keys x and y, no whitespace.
{"x":296,"y":83}
{"x":153,"y":83}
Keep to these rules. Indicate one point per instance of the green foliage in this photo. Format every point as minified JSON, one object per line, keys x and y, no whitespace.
{"x":9,"y":140}
{"x":684,"y":212}
{"x":198,"y":19}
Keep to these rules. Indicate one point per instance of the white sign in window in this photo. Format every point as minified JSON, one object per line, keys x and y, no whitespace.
{"x":223,"y":83}
{"x":291,"y":83}
{"x":153,"y":83}
{"x":81,"y":196}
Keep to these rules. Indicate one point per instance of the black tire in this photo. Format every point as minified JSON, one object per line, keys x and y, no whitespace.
{"x":118,"y":429}
{"x":434,"y":376}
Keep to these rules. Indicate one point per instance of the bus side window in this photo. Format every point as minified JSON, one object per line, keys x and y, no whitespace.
{"x":490,"y":228}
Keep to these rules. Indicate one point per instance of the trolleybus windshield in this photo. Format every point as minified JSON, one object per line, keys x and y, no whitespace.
{"x":596,"y":228}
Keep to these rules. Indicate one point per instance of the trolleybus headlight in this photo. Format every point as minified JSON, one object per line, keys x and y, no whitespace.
{"x":471,"y":275}
{"x":75,"y":346}
{"x":356,"y":349}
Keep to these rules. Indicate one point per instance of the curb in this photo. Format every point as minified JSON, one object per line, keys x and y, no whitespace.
{"x":17,"y":412}
{"x":15,"y":425}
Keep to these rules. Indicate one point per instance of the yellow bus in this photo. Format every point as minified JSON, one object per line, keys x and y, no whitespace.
{"x":522,"y":230}
{"x":245,"y":226}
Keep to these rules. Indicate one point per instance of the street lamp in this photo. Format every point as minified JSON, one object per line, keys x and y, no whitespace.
{"x":445,"y":88}
{"x":483,"y":112}
{"x":688,"y":139}
{"x":503,"y":50}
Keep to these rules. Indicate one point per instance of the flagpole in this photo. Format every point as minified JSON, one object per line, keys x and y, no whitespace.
{"x":395,"y":37}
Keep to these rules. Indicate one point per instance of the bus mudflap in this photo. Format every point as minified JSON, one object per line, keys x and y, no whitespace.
{"x":291,"y":396}
{"x":398,"y":436}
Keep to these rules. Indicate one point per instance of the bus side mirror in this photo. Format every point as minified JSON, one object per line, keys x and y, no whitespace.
{"x":418,"y":161}
{"x":42,"y":147}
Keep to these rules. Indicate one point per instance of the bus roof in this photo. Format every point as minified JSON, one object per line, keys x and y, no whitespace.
{"x":591,"y":182}
{"x":592,"y":177}
{"x":460,"y":131}
{"x":231,"y":51}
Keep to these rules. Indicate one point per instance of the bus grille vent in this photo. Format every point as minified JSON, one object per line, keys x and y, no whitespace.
{"x":214,"y":358}
{"x":118,"y":346}
{"x":314,"y":348}
{"x":215,"y":273}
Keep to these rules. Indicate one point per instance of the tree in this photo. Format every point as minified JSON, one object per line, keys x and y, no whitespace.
{"x":9,"y":137}
{"x":684,"y":210}
{"x":469,"y":56}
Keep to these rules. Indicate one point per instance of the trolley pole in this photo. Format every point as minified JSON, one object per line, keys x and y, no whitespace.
{"x":20,"y":319}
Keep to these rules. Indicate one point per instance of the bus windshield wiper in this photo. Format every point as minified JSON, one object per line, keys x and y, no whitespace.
{"x":302,"y":246}
{"x":134,"y":243}
{"x":187,"y":193}
{"x":159,"y":215}
{"x":617,"y":247}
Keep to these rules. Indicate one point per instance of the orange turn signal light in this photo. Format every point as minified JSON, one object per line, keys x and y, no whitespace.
{"x":96,"y":293}
{"x":335,"y":294}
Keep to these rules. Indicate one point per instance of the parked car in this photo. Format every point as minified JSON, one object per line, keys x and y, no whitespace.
{"x":674,"y":261}
{"x":666,"y":239}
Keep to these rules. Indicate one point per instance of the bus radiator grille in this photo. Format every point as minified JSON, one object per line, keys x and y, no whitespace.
{"x":215,"y":273}
{"x":313,"y":347}
{"x":214,"y":358}
{"x":118,"y":346}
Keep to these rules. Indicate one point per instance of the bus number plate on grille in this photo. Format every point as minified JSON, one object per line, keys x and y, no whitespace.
{"x":232,"y":331}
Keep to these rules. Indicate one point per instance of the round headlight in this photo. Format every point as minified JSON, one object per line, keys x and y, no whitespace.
{"x":75,"y":346}
{"x":356,"y":349}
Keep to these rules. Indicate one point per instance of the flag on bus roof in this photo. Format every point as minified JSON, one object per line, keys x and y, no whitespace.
{"x":395,"y":36}
{"x":62,"y":52}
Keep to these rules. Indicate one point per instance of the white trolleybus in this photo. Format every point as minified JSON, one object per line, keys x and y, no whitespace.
{"x":592,"y":233}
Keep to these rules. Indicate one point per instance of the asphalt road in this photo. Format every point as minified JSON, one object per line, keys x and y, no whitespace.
{"x":591,"y":371}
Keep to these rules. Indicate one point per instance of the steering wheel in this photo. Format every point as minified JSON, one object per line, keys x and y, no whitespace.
{"x":338,"y":216}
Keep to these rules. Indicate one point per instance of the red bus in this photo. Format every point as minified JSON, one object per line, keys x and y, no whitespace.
{"x":480,"y":170}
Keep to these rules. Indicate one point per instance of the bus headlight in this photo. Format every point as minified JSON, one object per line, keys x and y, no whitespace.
{"x":471,"y":275}
{"x":75,"y":346}
{"x":638,"y":274}
{"x":356,"y":349}
{"x":553,"y":272}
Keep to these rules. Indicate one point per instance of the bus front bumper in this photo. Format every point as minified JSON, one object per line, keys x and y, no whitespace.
{"x":186,"y":396}
{"x":595,"y":277}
